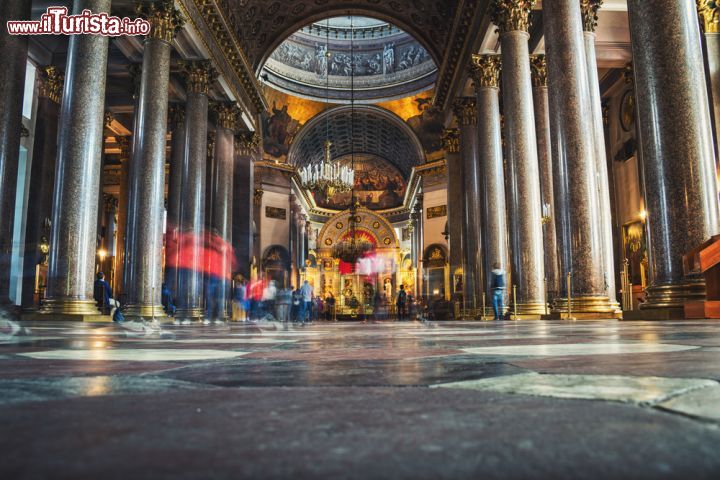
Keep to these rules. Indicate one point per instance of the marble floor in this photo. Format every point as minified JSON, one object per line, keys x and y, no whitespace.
{"x":536,"y":400}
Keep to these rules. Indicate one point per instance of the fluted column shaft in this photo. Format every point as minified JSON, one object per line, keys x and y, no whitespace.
{"x":573,"y":149}
{"x":466,"y":114}
{"x":544,"y":142}
{"x":42,"y":177}
{"x":13,"y":51}
{"x":77,"y":177}
{"x":190,"y":299}
{"x":674,"y":119}
{"x":177,"y":154}
{"x":524,"y":202}
{"x":485,"y":70}
{"x":709,"y":11}
{"x":456,"y":205}
{"x":144,"y":245}
{"x":589,"y":12}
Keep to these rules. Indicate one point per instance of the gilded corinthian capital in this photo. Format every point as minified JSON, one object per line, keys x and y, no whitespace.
{"x":709,"y":11}
{"x":589,"y":10}
{"x":538,"y":69}
{"x":165,"y":20}
{"x":512,"y":15}
{"x":51,"y":83}
{"x":485,"y":70}
{"x":247,"y":143}
{"x":198,"y":76}
{"x":465,"y":110}
{"x":451,"y":140}
{"x":227,"y":115}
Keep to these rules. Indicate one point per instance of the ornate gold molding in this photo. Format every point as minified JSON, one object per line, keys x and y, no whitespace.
{"x":124,"y":144}
{"x":512,"y":15}
{"x":538,"y":69}
{"x":451,"y":140}
{"x":108,"y":119}
{"x":247,"y":143}
{"x":165,"y":20}
{"x":709,"y":11}
{"x":589,"y":10}
{"x":198,"y":76}
{"x":257,"y":196}
{"x":465,"y":110}
{"x":51,"y":83}
{"x":227,"y":115}
{"x":629,"y":74}
{"x":485,"y":70}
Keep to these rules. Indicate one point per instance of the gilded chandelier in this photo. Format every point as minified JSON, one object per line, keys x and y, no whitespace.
{"x":351,"y":248}
{"x":327,"y":176}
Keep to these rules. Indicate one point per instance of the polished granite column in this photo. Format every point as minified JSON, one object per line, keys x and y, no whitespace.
{"x":176,"y":120}
{"x":77,"y":176}
{"x":144,"y":245}
{"x":589,"y":10}
{"x":485,"y":73}
{"x":456,"y":205}
{"x":538,"y":68}
{"x":222,"y":197}
{"x":246,"y":147}
{"x":420,"y":232}
{"x":465,"y":109}
{"x":709,"y":11}
{"x":524,"y":206}
{"x":680,"y":179}
{"x":190,"y":301}
{"x":13,"y":51}
{"x":574,"y":172}
{"x":42,"y":175}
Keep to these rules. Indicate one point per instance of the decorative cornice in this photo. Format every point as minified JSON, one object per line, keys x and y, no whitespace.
{"x":709,"y":11}
{"x":461,"y":40}
{"x":465,"y":110}
{"x":451,"y":140}
{"x":227,"y":115}
{"x":485,"y":71}
{"x":198,"y":76}
{"x":165,"y":20}
{"x":215,"y":19}
{"x":438,"y":167}
{"x":176,"y":114}
{"x":51,"y":83}
{"x":512,"y":15}
{"x":538,"y":69}
{"x":589,"y":10}
{"x":247,"y":143}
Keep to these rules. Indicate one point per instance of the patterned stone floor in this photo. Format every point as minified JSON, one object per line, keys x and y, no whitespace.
{"x":601,"y":399}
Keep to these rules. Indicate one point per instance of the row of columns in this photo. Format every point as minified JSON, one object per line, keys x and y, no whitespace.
{"x":557,"y":219}
{"x":72,"y":171}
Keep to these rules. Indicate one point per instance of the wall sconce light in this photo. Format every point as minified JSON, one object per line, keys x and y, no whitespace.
{"x":643,"y":214}
{"x":102,"y":254}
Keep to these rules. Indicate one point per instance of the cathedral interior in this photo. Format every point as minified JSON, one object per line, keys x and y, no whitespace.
{"x":360,"y":239}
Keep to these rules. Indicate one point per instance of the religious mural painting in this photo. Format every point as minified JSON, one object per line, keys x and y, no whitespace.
{"x":279,"y":128}
{"x":378,"y":186}
{"x":427,"y":125}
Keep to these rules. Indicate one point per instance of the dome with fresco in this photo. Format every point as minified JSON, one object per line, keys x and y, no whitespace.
{"x":389,"y":63}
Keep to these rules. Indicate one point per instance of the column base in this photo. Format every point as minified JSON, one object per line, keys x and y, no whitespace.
{"x":192,"y":314}
{"x":144,"y":312}
{"x":66,"y":317}
{"x":593,"y":306}
{"x":67,"y":306}
{"x":674,"y":295}
{"x":528,"y":311}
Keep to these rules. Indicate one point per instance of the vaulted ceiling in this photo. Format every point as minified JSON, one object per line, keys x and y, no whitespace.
{"x":260,"y":25}
{"x":374,"y":131}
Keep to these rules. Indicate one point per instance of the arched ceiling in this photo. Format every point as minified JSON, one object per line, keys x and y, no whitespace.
{"x":261,"y":25}
{"x":375,"y":131}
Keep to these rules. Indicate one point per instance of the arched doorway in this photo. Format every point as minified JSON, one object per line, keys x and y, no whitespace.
{"x":276,"y":265}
